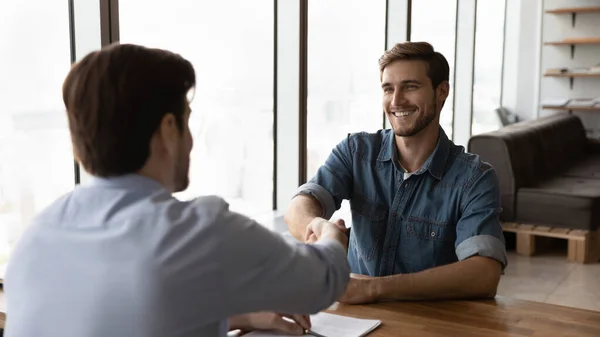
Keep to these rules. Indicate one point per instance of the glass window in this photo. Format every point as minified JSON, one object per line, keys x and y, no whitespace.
{"x":489,"y":47}
{"x":346,"y":38}
{"x":230,"y":44}
{"x":438,"y":27}
{"x":36,"y":156}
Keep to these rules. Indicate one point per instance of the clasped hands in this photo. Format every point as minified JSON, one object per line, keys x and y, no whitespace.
{"x":319,"y":227}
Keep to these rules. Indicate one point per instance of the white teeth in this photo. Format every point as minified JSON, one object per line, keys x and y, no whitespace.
{"x":402,"y":113}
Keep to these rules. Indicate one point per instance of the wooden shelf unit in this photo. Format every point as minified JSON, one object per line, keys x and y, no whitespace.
{"x":577,"y":41}
{"x":568,"y":108}
{"x":572,"y":75}
{"x":576,"y":10}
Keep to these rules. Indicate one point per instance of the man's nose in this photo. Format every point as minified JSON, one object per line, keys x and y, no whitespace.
{"x":398,"y":99}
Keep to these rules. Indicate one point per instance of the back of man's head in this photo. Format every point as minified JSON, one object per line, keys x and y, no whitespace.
{"x":116,"y":98}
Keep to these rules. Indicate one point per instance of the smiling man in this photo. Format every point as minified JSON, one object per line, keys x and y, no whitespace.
{"x":424,"y":212}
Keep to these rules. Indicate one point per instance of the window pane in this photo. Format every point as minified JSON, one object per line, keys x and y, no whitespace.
{"x":489,"y":46}
{"x":438,"y":28}
{"x":36,"y":157}
{"x":345,"y":40}
{"x":230,"y":44}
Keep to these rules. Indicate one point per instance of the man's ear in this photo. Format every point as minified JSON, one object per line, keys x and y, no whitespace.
{"x":443,"y":90}
{"x":169,"y":133}
{"x":441,"y":93}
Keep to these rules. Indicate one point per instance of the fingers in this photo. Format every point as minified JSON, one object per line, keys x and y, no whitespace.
{"x":312,"y":239}
{"x":341,"y":224}
{"x":303,"y":320}
{"x":308,"y":233}
{"x":288,"y":326}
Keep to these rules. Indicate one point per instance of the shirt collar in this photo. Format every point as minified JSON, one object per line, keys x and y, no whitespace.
{"x":128,"y":181}
{"x":436,"y":162}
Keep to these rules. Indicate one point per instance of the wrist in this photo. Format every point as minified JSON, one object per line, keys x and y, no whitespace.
{"x":240,"y":322}
{"x":374,"y":288}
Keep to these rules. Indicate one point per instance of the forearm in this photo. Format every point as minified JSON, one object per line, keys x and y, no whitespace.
{"x":303,"y":209}
{"x":238,"y":322}
{"x":475,"y":277}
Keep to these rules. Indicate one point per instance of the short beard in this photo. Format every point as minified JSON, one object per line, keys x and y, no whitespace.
{"x":421,"y":123}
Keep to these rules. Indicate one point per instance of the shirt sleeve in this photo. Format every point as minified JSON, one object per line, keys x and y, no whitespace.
{"x":333,"y":181}
{"x":478,"y":230}
{"x":261,"y":271}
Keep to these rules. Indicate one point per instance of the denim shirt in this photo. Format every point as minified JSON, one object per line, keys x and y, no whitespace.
{"x":444,"y":212}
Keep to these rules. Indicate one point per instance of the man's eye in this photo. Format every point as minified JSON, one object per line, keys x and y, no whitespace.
{"x":387,"y":90}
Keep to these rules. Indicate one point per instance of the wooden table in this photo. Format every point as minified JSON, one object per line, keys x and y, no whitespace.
{"x":493,"y":318}
{"x":499,"y":317}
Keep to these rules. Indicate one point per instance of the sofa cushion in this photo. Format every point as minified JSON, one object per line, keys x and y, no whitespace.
{"x":568,"y":202}
{"x":586,"y":168}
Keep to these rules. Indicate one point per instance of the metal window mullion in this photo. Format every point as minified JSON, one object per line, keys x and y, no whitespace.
{"x":288,"y":101}
{"x":464,"y":71}
{"x":398,"y":25}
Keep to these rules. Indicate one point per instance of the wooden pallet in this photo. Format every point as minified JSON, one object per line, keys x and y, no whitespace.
{"x":583,"y":245}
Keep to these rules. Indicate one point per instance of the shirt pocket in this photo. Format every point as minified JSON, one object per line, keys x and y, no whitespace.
{"x":430,"y":229}
{"x":369,"y":220}
{"x":428,"y":243}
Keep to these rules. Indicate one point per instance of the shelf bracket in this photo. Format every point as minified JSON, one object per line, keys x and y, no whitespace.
{"x":572,"y":51}
{"x":571,"y":82}
{"x":573,"y":18}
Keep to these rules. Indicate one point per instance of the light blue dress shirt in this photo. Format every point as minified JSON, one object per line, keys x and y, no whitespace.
{"x":122,"y":257}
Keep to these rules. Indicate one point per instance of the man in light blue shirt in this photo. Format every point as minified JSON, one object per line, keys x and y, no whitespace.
{"x":122,"y":257}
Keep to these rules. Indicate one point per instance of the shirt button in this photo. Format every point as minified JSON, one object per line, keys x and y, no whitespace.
{"x":432,"y":234}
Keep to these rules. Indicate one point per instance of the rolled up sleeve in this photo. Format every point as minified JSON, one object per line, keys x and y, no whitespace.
{"x":479,"y":232}
{"x":322,"y":195}
{"x":333,"y":181}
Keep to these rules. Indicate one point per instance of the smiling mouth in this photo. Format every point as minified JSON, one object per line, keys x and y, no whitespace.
{"x":403,"y":113}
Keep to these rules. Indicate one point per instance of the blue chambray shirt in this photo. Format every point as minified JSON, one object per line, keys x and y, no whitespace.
{"x":403,"y":223}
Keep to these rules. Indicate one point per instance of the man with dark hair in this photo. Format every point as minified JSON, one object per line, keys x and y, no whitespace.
{"x":122,"y":257}
{"x":424,"y":212}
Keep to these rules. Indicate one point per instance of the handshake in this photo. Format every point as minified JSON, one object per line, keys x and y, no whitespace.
{"x":320,"y":228}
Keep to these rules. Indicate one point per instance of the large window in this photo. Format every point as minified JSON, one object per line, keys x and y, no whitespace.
{"x":438,"y":28}
{"x":489,"y":47}
{"x":345,"y":40}
{"x":36,"y":157}
{"x":230,"y":44}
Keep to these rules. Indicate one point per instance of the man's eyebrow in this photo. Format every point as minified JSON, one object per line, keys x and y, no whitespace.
{"x":411,"y":82}
{"x":404,"y":82}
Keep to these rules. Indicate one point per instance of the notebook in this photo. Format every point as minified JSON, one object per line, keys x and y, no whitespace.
{"x":329,"y":325}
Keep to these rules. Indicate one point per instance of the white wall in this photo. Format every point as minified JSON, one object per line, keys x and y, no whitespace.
{"x":556,"y":27}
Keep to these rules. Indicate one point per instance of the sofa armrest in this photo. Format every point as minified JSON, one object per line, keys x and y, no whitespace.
{"x":593,"y":146}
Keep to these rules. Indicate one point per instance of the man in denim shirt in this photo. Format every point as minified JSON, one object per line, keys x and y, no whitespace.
{"x":424,"y":212}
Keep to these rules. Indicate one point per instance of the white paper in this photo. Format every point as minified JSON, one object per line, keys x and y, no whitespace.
{"x":330,"y":325}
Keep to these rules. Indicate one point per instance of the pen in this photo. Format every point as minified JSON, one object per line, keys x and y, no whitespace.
{"x":312,"y":333}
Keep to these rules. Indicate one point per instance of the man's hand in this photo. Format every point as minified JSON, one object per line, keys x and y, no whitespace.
{"x":361,"y":290}
{"x":291,"y":324}
{"x":319,"y":226}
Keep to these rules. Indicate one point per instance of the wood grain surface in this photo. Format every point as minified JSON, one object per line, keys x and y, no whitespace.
{"x":491,"y":318}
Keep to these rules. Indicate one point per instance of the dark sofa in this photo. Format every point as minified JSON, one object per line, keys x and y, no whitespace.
{"x":549,"y":172}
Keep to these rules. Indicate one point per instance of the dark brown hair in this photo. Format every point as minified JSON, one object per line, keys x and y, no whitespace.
{"x":438,"y":69}
{"x":116,"y":98}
